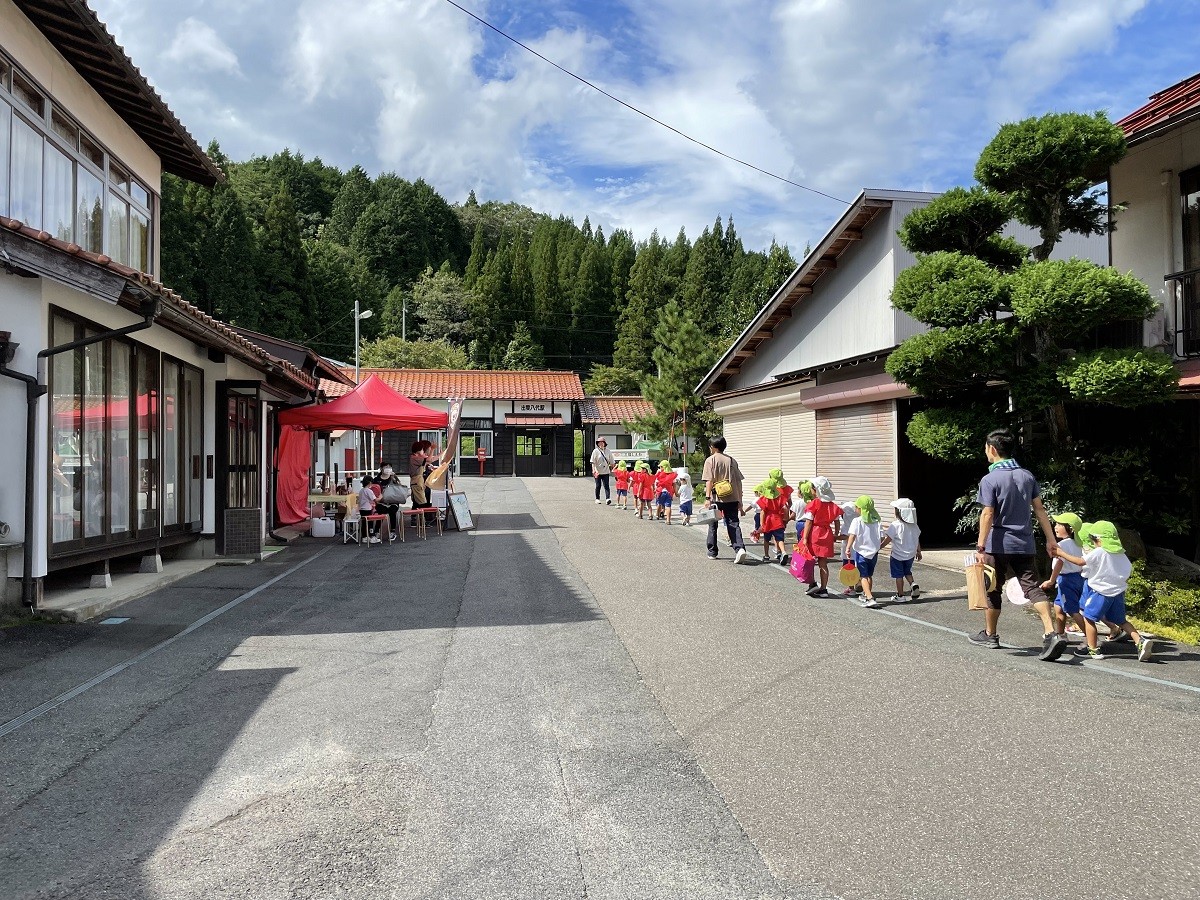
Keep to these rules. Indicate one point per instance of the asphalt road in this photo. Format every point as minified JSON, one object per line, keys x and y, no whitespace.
{"x":571,"y":703}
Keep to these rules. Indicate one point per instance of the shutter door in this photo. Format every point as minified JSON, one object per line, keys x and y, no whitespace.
{"x":754,"y":442}
{"x":856,"y":451}
{"x":798,"y":442}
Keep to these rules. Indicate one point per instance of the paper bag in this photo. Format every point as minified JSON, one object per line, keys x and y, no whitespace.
{"x":976,"y":588}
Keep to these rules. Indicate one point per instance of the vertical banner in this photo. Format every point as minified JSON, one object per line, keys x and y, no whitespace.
{"x":437,"y":478}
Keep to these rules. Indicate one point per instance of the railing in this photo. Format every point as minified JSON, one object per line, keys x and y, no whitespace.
{"x":1186,"y":287}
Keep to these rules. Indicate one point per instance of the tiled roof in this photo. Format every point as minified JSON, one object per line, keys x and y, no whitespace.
{"x":613,"y":410}
{"x":1177,"y":102}
{"x":199,"y":320}
{"x":471,"y":384}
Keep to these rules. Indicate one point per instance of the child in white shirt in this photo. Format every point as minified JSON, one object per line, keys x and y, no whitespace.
{"x":905,"y":537}
{"x":862,"y":546}
{"x":686,"y":492}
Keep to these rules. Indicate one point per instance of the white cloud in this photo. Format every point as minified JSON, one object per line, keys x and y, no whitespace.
{"x":199,"y":47}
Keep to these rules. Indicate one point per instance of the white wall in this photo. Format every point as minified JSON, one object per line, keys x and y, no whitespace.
{"x":1148,"y":239}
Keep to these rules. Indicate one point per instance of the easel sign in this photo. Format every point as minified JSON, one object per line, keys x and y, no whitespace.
{"x":461,"y":510}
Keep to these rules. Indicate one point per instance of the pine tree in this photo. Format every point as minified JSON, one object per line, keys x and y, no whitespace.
{"x":477,"y":257}
{"x":592,"y":326}
{"x":523,"y":351}
{"x":705,"y":283}
{"x":683,"y":353}
{"x":648,"y":292}
{"x":284,"y":285}
{"x":354,"y":196}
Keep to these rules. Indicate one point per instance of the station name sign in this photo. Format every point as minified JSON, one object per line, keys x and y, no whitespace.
{"x":533,"y":407}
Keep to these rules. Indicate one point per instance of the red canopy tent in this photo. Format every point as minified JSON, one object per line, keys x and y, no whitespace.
{"x":372,"y":406}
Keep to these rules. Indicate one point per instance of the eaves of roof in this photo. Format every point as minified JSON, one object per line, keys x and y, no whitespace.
{"x":78,"y":34}
{"x":177,"y":314}
{"x":474,"y":384}
{"x":846,"y":232}
{"x":1169,"y":108}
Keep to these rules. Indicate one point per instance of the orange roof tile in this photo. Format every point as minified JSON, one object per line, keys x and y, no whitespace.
{"x":1181,"y":100}
{"x":613,"y":410}
{"x":471,"y":384}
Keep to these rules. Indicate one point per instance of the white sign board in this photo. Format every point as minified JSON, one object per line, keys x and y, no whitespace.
{"x":461,"y":510}
{"x":630,"y":454}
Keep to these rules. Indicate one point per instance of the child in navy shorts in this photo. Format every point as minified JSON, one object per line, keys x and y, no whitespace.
{"x":685,"y":491}
{"x":1066,"y":576}
{"x":905,"y":537}
{"x":862,"y":545}
{"x":1106,"y":568}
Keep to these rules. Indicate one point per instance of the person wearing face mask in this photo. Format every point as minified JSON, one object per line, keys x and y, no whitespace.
{"x":394,"y":495}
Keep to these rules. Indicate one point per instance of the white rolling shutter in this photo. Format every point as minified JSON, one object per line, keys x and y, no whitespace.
{"x":797,"y":442}
{"x":754,"y":442}
{"x":856,"y":451}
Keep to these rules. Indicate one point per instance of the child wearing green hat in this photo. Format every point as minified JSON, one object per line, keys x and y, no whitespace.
{"x":621,"y":479}
{"x":1107,"y":570}
{"x":664,"y":490}
{"x":1067,"y":577}
{"x":774,"y":512}
{"x":862,"y":546}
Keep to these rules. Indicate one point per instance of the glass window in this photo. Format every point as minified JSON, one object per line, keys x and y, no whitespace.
{"x":623,"y":441}
{"x":118,"y":436}
{"x":65,"y":129}
{"x":26,"y":200}
{"x":118,"y":177}
{"x":118,"y":229}
{"x":91,"y":151}
{"x":146,"y":412}
{"x":5,"y":73}
{"x":58,"y":212}
{"x":1189,"y":189}
{"x":242,"y":436}
{"x":194,"y":400}
{"x":470,"y":441}
{"x":93,"y":458}
{"x":5,"y":124}
{"x":170,"y":449}
{"x":90,"y":210}
{"x":66,"y":436}
{"x":139,"y":194}
{"x":24,"y":91}
{"x":139,"y":241}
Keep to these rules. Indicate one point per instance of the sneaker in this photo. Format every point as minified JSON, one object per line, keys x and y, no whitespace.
{"x":766,"y":557}
{"x":1121,"y":637}
{"x":916,"y":591}
{"x":822,"y":592}
{"x":597,"y":501}
{"x":393,"y":537}
{"x":1145,"y":650}
{"x":1095,"y":653}
{"x":983,"y":639}
{"x":376,"y":540}
{"x":713,"y":556}
{"x":868,"y":603}
{"x":608,"y":503}
{"x":1053,"y":646}
{"x":785,"y":560}
{"x":813,"y":591}
{"x":849,"y":592}
{"x":739,"y":557}
{"x":900,"y":598}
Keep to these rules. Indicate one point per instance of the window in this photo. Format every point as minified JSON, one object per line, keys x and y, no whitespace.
{"x":1187,"y":283}
{"x":55,"y":176}
{"x":59,"y":210}
{"x":193,"y":442}
{"x":66,"y":438}
{"x":531,"y":445}
{"x":121,"y":355}
{"x":623,"y":441}
{"x":470,"y":441}
{"x":437,"y":438}
{"x":145,"y":409}
{"x":243,"y":450}
{"x":26,"y":173}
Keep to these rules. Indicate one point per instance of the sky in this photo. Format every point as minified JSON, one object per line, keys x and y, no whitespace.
{"x":836,"y":95}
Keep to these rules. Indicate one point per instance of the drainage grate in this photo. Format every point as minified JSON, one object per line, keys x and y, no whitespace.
{"x":116,"y":620}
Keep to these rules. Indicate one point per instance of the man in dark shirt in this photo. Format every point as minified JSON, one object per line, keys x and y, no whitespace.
{"x":1010,"y":498}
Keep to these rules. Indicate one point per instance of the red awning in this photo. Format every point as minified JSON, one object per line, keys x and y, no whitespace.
{"x":372,"y":406}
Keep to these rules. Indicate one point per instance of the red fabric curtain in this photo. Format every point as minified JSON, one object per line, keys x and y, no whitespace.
{"x":293,"y":460}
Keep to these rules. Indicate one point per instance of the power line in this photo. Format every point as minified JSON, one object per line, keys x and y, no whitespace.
{"x":647,"y":115}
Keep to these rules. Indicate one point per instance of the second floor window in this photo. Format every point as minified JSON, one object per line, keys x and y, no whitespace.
{"x":55,"y":177}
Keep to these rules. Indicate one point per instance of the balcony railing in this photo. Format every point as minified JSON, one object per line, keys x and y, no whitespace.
{"x":1186,"y":287}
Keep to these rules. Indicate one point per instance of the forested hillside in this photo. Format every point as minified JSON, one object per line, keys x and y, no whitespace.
{"x":286,"y":244}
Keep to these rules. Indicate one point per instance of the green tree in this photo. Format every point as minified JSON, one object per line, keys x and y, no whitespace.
{"x":523,"y":351}
{"x":650,"y":287}
{"x":284,"y":285}
{"x":338,"y":279}
{"x":1028,"y":325}
{"x":354,"y":196}
{"x":393,"y":353}
{"x":440,"y":307}
{"x":612,"y":381}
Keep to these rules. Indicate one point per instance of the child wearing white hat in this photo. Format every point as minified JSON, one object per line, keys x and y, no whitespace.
{"x":904,"y":535}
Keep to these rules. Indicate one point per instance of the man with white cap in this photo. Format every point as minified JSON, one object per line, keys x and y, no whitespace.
{"x":602,"y":464}
{"x":905,"y":537}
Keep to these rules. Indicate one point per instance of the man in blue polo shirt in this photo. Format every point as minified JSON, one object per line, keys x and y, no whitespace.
{"x":1009,"y":497}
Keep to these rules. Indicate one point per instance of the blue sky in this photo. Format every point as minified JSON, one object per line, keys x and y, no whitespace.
{"x":835,"y":94}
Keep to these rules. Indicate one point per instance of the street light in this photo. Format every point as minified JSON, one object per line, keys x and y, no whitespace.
{"x":358,"y":317}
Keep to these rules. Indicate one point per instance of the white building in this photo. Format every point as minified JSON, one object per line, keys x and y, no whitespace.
{"x":136,"y":423}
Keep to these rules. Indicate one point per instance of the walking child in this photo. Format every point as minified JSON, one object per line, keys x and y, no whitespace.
{"x":821,"y":534}
{"x":645,"y":489}
{"x":621,"y":479}
{"x":1067,"y":577}
{"x":1107,"y":569}
{"x":805,"y":494}
{"x":849,"y":514}
{"x":862,"y":546}
{"x":686,"y":493}
{"x":904,"y":535}
{"x":664,"y":489}
{"x":775,"y":515}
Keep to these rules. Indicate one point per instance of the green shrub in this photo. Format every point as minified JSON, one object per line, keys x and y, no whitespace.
{"x":1125,"y":378}
{"x":948,"y":289}
{"x":1071,"y":296}
{"x":953,"y":434}
{"x":1169,"y":608}
{"x":944,"y":363}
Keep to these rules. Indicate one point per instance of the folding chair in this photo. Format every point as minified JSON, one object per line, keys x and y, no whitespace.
{"x":352,"y":521}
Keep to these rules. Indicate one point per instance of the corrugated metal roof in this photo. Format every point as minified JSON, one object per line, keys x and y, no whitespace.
{"x":1178,"y":102}
{"x":471,"y":384}
{"x":613,"y":410}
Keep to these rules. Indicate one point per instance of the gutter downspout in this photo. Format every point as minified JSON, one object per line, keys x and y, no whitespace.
{"x":35,"y":389}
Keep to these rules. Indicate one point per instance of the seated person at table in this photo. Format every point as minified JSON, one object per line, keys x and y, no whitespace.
{"x":366,"y":507}
{"x":393,"y":495}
